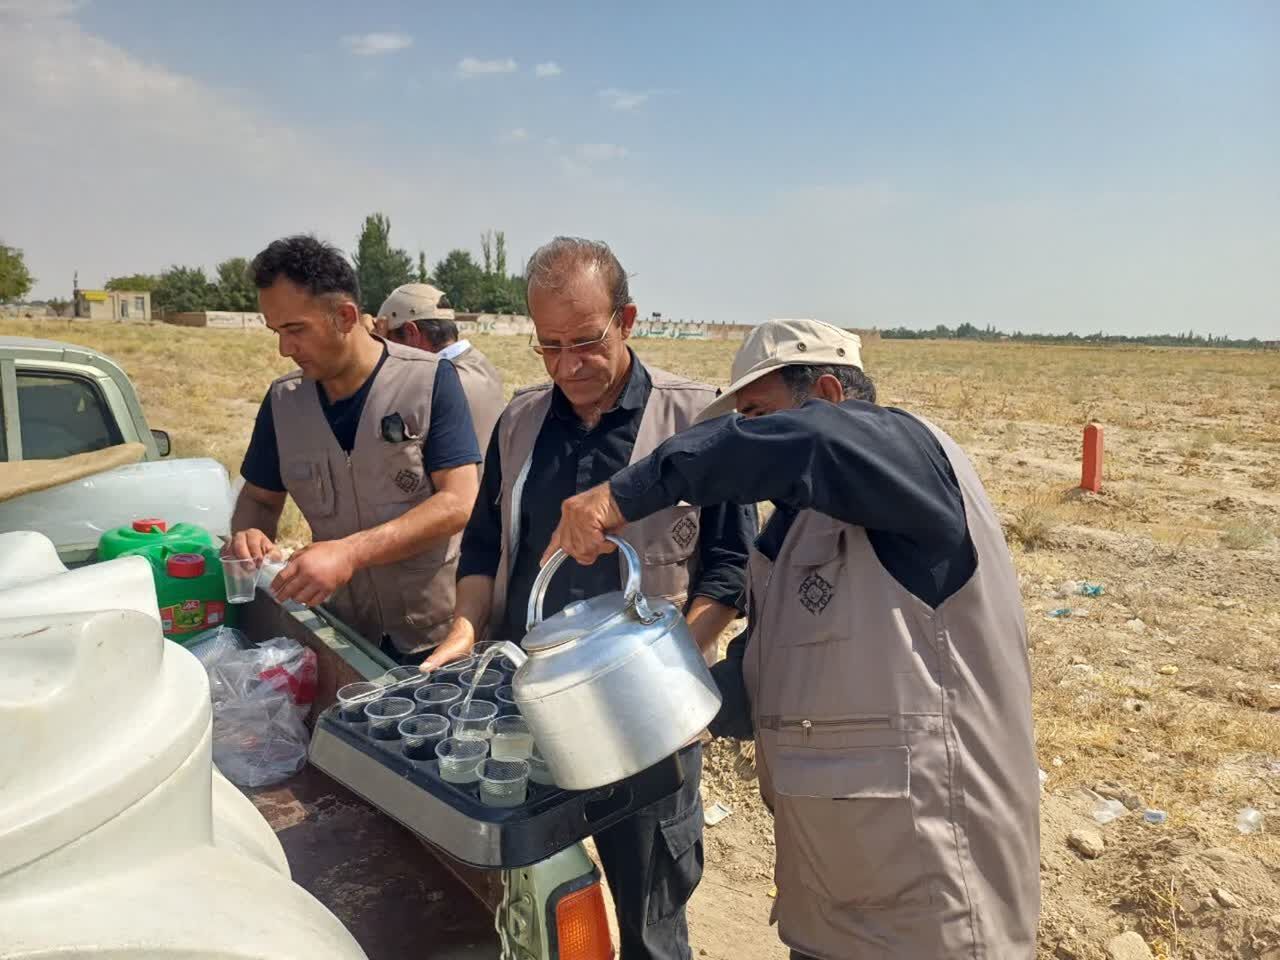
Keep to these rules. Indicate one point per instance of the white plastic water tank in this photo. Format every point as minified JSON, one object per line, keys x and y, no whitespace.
{"x":117,"y":838}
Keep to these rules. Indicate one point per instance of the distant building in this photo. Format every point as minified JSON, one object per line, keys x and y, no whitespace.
{"x":128,"y":306}
{"x":218,"y":319}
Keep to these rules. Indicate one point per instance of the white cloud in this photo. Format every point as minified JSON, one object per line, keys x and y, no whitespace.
{"x":624,"y":99}
{"x":518,"y":135}
{"x":376,"y":44}
{"x":548,"y":69}
{"x":471,"y":67}
{"x":27,"y":10}
{"x":595,"y":152}
{"x":178,"y":171}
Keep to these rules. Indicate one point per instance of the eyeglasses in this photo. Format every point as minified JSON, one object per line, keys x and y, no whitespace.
{"x":554,"y":351}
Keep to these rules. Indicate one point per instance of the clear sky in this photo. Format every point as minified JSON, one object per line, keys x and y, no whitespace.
{"x":1075,"y":166}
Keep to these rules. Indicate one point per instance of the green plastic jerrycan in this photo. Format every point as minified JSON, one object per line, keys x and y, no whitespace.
{"x":189,"y":587}
{"x":150,"y":532}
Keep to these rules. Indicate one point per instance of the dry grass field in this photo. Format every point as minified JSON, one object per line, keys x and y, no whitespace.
{"x":1164,"y":691}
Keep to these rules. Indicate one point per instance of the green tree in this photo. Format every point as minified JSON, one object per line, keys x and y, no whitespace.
{"x":143,"y":282}
{"x":462,"y":280}
{"x":423,"y":276}
{"x":380,"y":266}
{"x":182,"y":289}
{"x":497,"y":293}
{"x":235,"y":289}
{"x":59,"y":306}
{"x":15,"y":278}
{"x":500,"y":254}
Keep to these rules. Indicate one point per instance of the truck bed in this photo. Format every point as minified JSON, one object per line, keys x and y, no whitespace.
{"x":399,"y":897}
{"x":396,"y":897}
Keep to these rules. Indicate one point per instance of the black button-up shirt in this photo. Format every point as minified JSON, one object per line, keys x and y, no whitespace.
{"x":568,"y":458}
{"x":876,"y":467}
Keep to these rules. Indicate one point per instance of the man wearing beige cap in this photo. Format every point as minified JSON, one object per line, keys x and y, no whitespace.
{"x":418,"y":315}
{"x":883,"y":674}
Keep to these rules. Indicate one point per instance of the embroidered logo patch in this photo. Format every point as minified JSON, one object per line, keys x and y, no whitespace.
{"x":684,"y":532}
{"x":815,"y":593}
{"x":407,"y":481}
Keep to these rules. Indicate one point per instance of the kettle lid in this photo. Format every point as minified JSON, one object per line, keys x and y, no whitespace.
{"x":577,"y":620}
{"x":586,"y":616}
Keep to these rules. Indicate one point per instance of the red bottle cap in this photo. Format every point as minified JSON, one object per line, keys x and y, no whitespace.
{"x":147,"y":525}
{"x":185,"y":566}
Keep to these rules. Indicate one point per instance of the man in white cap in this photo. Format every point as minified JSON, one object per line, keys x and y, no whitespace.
{"x":418,"y":315}
{"x":884,"y":672}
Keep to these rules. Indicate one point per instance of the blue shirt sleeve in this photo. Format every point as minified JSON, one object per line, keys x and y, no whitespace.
{"x":261,"y":465}
{"x":451,"y":437}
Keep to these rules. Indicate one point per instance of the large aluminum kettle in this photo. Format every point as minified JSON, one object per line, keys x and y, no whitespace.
{"x":610,"y":685}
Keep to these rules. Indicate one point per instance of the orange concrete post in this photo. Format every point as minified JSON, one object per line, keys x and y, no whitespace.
{"x":1091,"y":472}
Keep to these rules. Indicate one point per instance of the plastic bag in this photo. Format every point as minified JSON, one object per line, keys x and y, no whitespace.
{"x":260,"y":698}
{"x":211,"y":645}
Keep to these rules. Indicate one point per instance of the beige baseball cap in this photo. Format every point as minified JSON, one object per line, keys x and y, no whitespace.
{"x":782,"y":343}
{"x":414,"y":301}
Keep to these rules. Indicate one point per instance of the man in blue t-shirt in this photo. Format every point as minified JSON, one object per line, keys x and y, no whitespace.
{"x":375,"y":444}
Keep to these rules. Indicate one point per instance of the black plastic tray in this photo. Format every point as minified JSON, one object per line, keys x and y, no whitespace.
{"x":455,"y":820}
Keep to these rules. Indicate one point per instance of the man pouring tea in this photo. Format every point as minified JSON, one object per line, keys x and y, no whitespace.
{"x":884,"y":672}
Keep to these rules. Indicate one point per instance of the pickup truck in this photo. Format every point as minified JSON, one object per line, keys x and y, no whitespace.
{"x":398,"y":895}
{"x":58,"y":400}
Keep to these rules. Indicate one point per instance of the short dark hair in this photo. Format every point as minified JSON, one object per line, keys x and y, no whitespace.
{"x":438,"y":333}
{"x":318,"y":267}
{"x":800,"y":379}
{"x":552,"y":265}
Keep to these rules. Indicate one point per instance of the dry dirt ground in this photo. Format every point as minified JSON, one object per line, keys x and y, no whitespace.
{"x":1164,"y":691}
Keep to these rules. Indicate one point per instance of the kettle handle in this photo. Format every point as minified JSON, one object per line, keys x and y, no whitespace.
{"x":632,"y":596}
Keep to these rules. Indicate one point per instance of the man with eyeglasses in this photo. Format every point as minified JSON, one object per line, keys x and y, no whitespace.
{"x":602,"y":410}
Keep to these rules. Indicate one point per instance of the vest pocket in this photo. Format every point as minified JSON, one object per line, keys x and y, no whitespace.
{"x":671,"y":535}
{"x":400,"y":479}
{"x":845,"y":827}
{"x":428,"y":592}
{"x":310,"y":483}
{"x":666,"y":541}
{"x":816,"y":603}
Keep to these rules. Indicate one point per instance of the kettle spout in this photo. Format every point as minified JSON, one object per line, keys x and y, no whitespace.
{"x":513,"y":653}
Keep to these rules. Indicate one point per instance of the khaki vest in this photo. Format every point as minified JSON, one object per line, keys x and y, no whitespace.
{"x":667,"y":541}
{"x":482,"y":383}
{"x":895,"y":747}
{"x":410,"y":601}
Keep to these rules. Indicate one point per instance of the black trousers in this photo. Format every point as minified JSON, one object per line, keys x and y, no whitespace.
{"x":653,"y":862}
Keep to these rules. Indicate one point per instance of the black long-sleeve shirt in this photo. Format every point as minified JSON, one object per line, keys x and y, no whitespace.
{"x":876,"y":467}
{"x":569,"y":458}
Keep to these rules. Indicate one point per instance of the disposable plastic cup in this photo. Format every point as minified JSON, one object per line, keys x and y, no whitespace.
{"x":485,"y":686}
{"x":437,"y":697}
{"x":503,"y":783}
{"x":471,"y":720}
{"x":269,"y":570}
{"x":384,"y":716}
{"x":354,"y":696}
{"x":539,"y":772}
{"x":506,"y":702}
{"x":420,"y":735}
{"x":240,"y":577}
{"x":510,"y":739}
{"x":450,"y":671}
{"x":459,"y":760}
{"x":405,"y":678}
